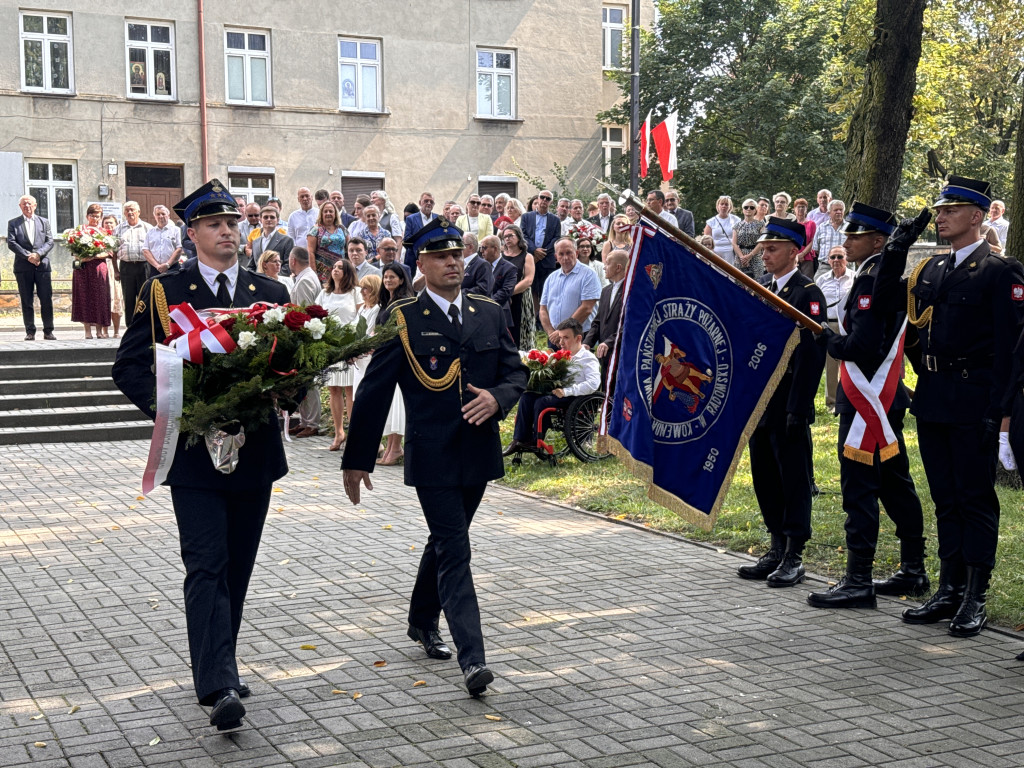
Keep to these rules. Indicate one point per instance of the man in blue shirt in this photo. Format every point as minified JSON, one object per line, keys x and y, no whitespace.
{"x":571,"y":291}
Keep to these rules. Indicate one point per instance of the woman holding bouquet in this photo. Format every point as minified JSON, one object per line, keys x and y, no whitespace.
{"x":90,"y":286}
{"x":341,"y":298}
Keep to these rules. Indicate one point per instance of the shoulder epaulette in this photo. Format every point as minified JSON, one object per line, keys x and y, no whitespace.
{"x":404,"y":302}
{"x":867,"y":271}
{"x":481,"y":297}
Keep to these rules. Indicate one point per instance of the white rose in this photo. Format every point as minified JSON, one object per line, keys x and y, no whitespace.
{"x":272,"y":316}
{"x":316,"y":327}
{"x":246,"y":339}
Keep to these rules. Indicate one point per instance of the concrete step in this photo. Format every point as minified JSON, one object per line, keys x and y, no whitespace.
{"x":72,"y":400}
{"x":60,"y":417}
{"x":43,"y":353}
{"x":55,"y":386}
{"x":78,"y":433}
{"x":61,"y":370}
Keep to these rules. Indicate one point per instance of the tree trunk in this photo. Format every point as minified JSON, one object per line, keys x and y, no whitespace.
{"x":1015,"y":212}
{"x":877,"y":138}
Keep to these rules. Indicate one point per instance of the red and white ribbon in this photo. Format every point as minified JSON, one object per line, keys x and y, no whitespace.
{"x":200,"y":330}
{"x":871,"y":430}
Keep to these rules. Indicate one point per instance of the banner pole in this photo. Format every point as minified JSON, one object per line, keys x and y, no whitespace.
{"x":627,"y":196}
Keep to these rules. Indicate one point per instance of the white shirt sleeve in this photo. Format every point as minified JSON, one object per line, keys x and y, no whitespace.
{"x":587,"y":369}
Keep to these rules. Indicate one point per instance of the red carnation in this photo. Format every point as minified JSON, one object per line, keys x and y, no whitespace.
{"x":256,"y":315}
{"x":534,"y":355}
{"x":227,"y":324}
{"x":296,"y":319}
{"x":315,"y":310}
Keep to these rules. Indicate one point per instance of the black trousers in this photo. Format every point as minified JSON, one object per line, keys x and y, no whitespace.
{"x":781,"y":467}
{"x":1017,"y":431}
{"x":961,"y":470}
{"x":133,"y":276}
{"x":444,"y":581}
{"x":539,"y":276}
{"x":35,"y":282}
{"x":220,"y":535}
{"x":530,"y":405}
{"x":886,"y":481}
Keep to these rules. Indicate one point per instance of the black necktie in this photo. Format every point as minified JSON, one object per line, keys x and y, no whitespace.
{"x":453,"y":313}
{"x":774,"y":287}
{"x":223,"y":297}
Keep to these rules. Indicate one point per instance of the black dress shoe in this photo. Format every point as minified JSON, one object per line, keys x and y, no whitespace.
{"x":478,"y":677}
{"x":971,"y":618}
{"x":789,"y":573}
{"x":947,"y":599}
{"x":431,"y":641}
{"x":227,"y":711}
{"x":515,"y":447}
{"x":767,"y":563}
{"x":49,"y":337}
{"x":244,"y":691}
{"x":30,"y":337}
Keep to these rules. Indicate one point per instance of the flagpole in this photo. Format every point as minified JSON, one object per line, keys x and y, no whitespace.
{"x":627,"y":196}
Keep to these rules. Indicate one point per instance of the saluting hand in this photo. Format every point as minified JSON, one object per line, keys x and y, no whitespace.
{"x":480,"y":408}
{"x":351,"y":479}
{"x":906,"y":234}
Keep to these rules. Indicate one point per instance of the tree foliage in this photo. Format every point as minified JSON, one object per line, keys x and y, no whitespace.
{"x":766,"y":90}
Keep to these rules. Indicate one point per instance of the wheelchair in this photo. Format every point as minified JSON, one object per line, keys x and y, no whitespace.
{"x":569,"y":430}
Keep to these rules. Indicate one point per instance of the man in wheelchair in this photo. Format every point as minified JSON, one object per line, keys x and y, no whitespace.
{"x":585,"y":370}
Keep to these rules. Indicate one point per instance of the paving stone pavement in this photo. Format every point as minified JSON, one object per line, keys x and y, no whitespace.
{"x":613,"y":646}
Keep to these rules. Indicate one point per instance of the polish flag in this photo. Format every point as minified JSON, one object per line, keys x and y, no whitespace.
{"x":645,"y":146}
{"x":664,"y":136}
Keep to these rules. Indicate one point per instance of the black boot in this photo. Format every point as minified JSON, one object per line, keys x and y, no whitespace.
{"x":854,"y":590}
{"x":767,"y":563}
{"x":911,"y":579}
{"x":791,"y":570}
{"x":947,"y":598}
{"x":971,"y":618}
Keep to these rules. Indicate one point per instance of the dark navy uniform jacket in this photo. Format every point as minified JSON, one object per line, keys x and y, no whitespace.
{"x":869,"y":336}
{"x":441,"y":448}
{"x":261,"y":458}
{"x":799,"y":385}
{"x":966,"y":348}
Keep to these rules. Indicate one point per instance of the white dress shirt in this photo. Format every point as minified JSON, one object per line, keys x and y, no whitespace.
{"x":444,"y":303}
{"x":210,"y":277}
{"x":30,"y":229}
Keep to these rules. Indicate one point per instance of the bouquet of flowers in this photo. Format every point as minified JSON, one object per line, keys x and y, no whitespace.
{"x":86,"y":242}
{"x":584,"y":229}
{"x":270,"y":353}
{"x":548,"y":370}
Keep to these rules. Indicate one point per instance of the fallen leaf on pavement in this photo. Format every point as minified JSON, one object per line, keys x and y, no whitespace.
{"x":338,"y":691}
{"x":492,"y":717}
{"x":40,"y":716}
{"x":97,"y":541}
{"x":115,"y":527}
{"x":307,"y":647}
{"x":74,"y":709}
{"x":154,"y":741}
{"x":285,"y":561}
{"x":386,"y":527}
{"x":357,"y":695}
{"x":380,"y":663}
{"x":40,"y":744}
{"x":140,"y":498}
{"x":418,"y":683}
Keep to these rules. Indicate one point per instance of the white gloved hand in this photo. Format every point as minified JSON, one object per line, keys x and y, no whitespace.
{"x":1005,"y":452}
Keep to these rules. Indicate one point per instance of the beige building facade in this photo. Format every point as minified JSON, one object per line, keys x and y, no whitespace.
{"x":126,"y":100}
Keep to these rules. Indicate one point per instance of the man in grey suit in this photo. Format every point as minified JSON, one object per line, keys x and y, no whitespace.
{"x":683,"y":216}
{"x":30,"y":240}
{"x":271,"y":239}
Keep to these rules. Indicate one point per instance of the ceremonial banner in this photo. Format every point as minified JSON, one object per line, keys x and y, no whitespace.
{"x":698,"y":360}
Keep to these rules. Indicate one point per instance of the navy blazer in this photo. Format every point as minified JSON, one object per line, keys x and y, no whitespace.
{"x":553,"y":231}
{"x":503,"y":284}
{"x":414,"y":223}
{"x":261,"y":459}
{"x":18,"y":244}
{"x":605,"y":326}
{"x":477,"y":278}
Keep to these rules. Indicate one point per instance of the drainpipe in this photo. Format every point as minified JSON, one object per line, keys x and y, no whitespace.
{"x":203,"y":125}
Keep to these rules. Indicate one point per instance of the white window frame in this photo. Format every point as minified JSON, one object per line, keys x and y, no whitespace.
{"x":607,"y":145}
{"x":50,"y":185}
{"x":607,"y":27}
{"x":247,"y":57}
{"x":149,"y":46}
{"x":249,"y":192}
{"x":493,"y":72}
{"x":46,"y":39}
{"x":360,"y":63}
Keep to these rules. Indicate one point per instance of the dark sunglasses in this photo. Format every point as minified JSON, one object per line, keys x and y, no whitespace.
{"x":749,"y":207}
{"x":545,"y":197}
{"x":836,"y":258}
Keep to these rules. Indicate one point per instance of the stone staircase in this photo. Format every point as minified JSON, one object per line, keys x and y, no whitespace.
{"x":62,"y":392}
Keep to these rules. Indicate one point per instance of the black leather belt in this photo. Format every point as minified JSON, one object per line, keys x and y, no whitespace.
{"x":937,"y":363}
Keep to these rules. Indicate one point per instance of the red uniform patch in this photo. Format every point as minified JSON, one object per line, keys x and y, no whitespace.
{"x":815,"y":308}
{"x":863,"y":302}
{"x":1017,"y":292}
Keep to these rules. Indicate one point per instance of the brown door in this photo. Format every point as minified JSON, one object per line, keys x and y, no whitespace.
{"x":151,"y":185}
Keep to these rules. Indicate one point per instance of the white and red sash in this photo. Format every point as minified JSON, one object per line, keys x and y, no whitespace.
{"x":871,"y":430}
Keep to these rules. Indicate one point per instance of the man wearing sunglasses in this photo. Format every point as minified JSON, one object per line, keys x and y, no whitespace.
{"x":541,"y":229}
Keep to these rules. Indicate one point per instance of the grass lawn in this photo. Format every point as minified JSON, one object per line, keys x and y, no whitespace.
{"x":608,"y":488}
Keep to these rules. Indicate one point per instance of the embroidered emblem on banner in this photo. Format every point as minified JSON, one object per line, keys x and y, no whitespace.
{"x":684,"y":369}
{"x":627,"y":409}
{"x":863,"y":302}
{"x":654,"y":272}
